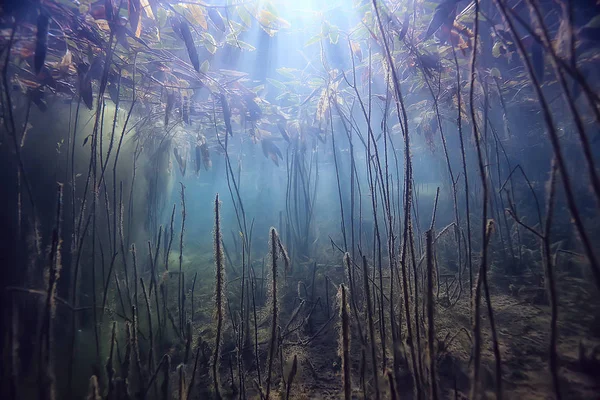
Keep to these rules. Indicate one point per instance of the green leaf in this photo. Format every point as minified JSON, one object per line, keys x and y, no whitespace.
{"x":161,"y":19}
{"x":277,"y":84}
{"x":232,"y":41}
{"x":246,"y":46}
{"x":313,"y":40}
{"x":496,"y":49}
{"x":315,"y":82}
{"x":283,"y":96}
{"x":287,"y":72}
{"x":205,"y":66}
{"x":237,"y":28}
{"x":245,"y":16}
{"x":209,"y":42}
{"x":495,"y":72}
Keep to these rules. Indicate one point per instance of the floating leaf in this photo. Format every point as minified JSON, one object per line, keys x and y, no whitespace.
{"x":287,"y":72}
{"x":197,"y":15}
{"x":245,"y":46}
{"x":266,"y":17}
{"x":233,"y":41}
{"x":269,"y":20}
{"x":277,"y":84}
{"x":216,"y":18}
{"x":209,"y":42}
{"x":283,"y":96}
{"x":245,"y":16}
{"x":231,"y":72}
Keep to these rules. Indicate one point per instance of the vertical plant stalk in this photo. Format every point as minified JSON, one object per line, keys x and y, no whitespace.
{"x":348,"y":264}
{"x":122,"y":243}
{"x":392,"y":384}
{"x":181,"y":373}
{"x":275,"y":311}
{"x":371,"y":327}
{"x":135,"y":276}
{"x":344,"y":342}
{"x":45,"y":374}
{"x":191,"y":385}
{"x":170,"y":241}
{"x":164,"y":387}
{"x":135,"y":346}
{"x":180,"y":281}
{"x":466,"y":177}
{"x":219,"y":298}
{"x":291,"y":376}
{"x":256,"y":355}
{"x":403,"y":120}
{"x":551,"y":284}
{"x":433,"y":384}
{"x":476,"y":307}
{"x":150,"y":330}
{"x":110,"y":371}
{"x":549,"y":271}
{"x":487,"y":227}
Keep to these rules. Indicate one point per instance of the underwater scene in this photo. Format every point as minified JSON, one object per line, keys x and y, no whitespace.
{"x":299,"y":199}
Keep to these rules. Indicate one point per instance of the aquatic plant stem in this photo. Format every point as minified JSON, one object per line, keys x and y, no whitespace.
{"x":219,"y":298}
{"x":150,"y":330}
{"x":433,"y":383}
{"x":584,"y":141}
{"x":549,"y":265}
{"x":551,"y":284}
{"x":256,"y":355}
{"x":274,"y":309}
{"x":486,"y":232}
{"x":46,"y":380}
{"x":371,"y":327}
{"x":345,"y":343}
{"x":403,"y":121}
{"x":555,"y":141}
{"x":180,"y":276}
{"x":466,"y":177}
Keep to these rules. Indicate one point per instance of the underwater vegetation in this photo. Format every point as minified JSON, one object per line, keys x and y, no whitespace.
{"x":275,"y":199}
